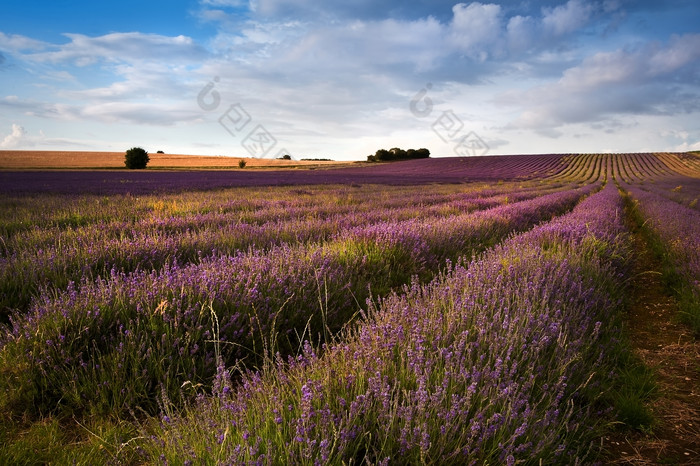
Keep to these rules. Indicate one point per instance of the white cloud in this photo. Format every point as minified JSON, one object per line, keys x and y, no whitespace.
{"x":140,"y":113}
{"x":567,"y":18}
{"x":681,"y":51}
{"x":687,"y":146}
{"x":32,"y":107}
{"x":15,"y":138}
{"x":646,"y":80}
{"x":345,"y":71}
{"x":58,"y":75}
{"x":121,"y":47}
{"x":21,"y":139}
{"x":475,"y":32}
{"x":602,"y":69}
{"x":476,"y":28}
{"x":521,"y":33}
{"x":160,"y":113}
{"x":142,"y":81}
{"x":625,"y":67}
{"x":16,"y":43}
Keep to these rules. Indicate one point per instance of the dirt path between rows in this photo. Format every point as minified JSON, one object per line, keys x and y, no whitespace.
{"x":670,"y":349}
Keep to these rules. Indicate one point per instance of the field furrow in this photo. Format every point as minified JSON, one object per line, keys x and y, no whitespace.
{"x":675,"y":232}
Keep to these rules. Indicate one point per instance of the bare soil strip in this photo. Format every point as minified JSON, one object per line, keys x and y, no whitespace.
{"x":670,"y":349}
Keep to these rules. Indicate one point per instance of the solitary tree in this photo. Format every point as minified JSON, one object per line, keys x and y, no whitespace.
{"x":136,"y":158}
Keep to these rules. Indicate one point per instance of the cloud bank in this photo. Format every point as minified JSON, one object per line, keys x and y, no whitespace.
{"x":338,"y":77}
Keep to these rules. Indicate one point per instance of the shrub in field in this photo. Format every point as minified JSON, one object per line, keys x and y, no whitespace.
{"x":136,"y":158}
{"x":241,"y":164}
{"x":498,"y":361}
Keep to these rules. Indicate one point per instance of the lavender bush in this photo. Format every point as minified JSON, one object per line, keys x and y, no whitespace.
{"x":244,"y":307}
{"x":682,"y":190}
{"x":677,"y":229}
{"x":90,"y":239}
{"x":414,"y":172}
{"x":499,"y":360}
{"x":108,"y":344}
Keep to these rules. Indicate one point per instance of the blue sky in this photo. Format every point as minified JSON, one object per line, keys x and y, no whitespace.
{"x":341,"y":79}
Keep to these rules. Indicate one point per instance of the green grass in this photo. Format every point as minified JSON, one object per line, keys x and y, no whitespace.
{"x":53,"y":440}
{"x":677,"y":284}
{"x":636,"y":389}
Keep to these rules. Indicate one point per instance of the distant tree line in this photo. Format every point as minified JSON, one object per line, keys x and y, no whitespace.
{"x":383,"y":155}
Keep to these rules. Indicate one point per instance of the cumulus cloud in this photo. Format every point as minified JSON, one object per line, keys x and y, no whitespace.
{"x":309,"y":68}
{"x":15,"y":138}
{"x":151,"y":78}
{"x":476,"y":28}
{"x":20,"y":138}
{"x":365,"y":45}
{"x":567,"y":18}
{"x":624,"y":67}
{"x":687,"y":146}
{"x":305,"y":72}
{"x":444,"y":44}
{"x":521,"y":33}
{"x":391,"y":45}
{"x":646,"y":80}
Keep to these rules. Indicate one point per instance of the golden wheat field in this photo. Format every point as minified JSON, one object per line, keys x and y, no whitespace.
{"x":25,"y":159}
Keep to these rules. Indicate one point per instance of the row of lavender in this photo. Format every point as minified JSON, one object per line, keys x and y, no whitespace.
{"x":412,"y":172}
{"x":256,"y":205}
{"x":678,"y":228}
{"x":682,"y":190}
{"x":92,"y":238}
{"x":498,"y":361}
{"x":108,"y":345}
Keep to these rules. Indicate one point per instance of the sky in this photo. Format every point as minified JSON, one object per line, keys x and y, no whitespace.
{"x":341,"y":79}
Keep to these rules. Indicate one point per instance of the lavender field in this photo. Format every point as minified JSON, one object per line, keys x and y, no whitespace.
{"x":437,"y":311}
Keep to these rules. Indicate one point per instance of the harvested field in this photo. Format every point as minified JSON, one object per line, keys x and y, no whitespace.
{"x":21,"y":159}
